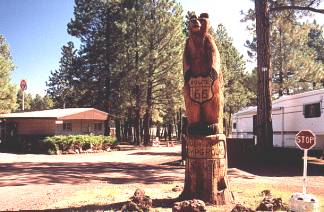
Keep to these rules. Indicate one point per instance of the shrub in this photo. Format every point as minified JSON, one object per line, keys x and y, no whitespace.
{"x":78,"y":142}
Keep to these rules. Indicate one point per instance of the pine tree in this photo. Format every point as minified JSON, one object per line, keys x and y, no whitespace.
{"x":64,"y":83}
{"x":41,"y":103}
{"x":236,"y":94}
{"x":130,"y":56}
{"x":264,"y":11}
{"x":294,"y":63}
{"x":164,"y":39}
{"x":28,"y":98}
{"x":7,"y":90}
{"x":316,"y":41}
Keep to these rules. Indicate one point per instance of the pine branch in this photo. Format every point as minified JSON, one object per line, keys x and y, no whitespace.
{"x":281,"y":8}
{"x":311,"y":3}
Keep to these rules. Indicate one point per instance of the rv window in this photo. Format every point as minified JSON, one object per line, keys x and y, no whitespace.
{"x":234,"y":126}
{"x":67,"y":126}
{"x":312,"y":110}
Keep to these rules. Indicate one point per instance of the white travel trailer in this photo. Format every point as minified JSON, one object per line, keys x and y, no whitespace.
{"x":290,"y":114}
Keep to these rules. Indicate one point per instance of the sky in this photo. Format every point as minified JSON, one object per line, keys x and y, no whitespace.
{"x":37,"y":29}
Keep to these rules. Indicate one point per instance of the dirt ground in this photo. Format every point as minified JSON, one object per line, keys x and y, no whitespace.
{"x":59,"y":182}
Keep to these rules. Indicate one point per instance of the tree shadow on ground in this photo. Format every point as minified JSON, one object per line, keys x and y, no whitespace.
{"x":278,"y":163}
{"x":111,"y":207}
{"x":157,"y":153}
{"x":18,"y":174}
{"x":157,"y":203}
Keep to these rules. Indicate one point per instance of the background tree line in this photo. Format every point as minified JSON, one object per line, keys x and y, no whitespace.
{"x":277,"y":25}
{"x":129,"y":64}
{"x":296,"y":51}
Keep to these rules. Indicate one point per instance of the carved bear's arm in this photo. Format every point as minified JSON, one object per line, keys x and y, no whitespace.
{"x":213,"y":56}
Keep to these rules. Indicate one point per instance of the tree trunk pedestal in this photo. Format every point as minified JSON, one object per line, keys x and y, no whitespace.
{"x":206,"y":170}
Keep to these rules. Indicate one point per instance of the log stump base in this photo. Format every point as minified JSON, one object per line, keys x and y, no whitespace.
{"x":206,"y":170}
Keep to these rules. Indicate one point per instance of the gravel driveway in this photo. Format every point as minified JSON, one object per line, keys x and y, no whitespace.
{"x":31,"y":181}
{"x":37,"y":182}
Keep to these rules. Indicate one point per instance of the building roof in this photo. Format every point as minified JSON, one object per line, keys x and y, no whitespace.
{"x":299,"y":95}
{"x":275,"y":106}
{"x":67,"y":113}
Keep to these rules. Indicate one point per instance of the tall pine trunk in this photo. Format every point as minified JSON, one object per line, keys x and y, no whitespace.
{"x":137,"y":117}
{"x":158,"y":131}
{"x":122,"y":129}
{"x":107,"y":70}
{"x":149,"y":93}
{"x":170,"y":130}
{"x":281,"y":60}
{"x":264,"y":105}
{"x":179,"y":124}
{"x":118,"y":129}
{"x":148,"y":115}
{"x":138,"y":91}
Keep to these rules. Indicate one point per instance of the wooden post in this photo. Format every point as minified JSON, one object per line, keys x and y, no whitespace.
{"x":206,"y":170}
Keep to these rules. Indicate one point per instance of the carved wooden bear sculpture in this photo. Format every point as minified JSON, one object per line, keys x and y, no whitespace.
{"x":203,"y":88}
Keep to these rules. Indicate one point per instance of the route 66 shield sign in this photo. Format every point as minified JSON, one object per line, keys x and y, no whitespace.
{"x":200,"y":89}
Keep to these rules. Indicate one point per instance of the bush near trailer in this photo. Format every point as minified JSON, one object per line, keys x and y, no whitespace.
{"x":78,"y":143}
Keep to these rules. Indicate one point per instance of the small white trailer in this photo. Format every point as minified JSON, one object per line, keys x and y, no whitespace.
{"x":290,"y":114}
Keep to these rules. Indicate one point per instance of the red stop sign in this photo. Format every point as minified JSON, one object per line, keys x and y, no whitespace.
{"x":23,"y":85}
{"x":305,"y":139}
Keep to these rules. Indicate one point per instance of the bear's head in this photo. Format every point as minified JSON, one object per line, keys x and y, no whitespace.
{"x":205,"y":23}
{"x":194,"y":24}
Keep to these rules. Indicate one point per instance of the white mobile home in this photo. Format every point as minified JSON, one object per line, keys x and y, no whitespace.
{"x":290,"y":114}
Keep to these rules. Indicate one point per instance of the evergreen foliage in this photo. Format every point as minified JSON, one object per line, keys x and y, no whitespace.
{"x":237,"y":94}
{"x":129,"y":61}
{"x":295,"y":64}
{"x":34,"y":104}
{"x":7,"y":90}
{"x":265,"y":12}
{"x":28,"y":98}
{"x":296,"y":49}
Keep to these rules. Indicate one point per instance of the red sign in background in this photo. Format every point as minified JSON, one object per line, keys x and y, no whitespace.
{"x":23,"y":85}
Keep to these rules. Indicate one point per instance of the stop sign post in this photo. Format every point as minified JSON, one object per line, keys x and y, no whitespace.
{"x":305,"y":140}
{"x":23,"y":87}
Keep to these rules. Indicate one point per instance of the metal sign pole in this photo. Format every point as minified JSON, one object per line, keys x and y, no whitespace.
{"x":305,"y":171}
{"x":23,"y":100}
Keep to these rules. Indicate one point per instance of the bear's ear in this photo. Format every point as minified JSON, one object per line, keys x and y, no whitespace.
{"x":204,"y":15}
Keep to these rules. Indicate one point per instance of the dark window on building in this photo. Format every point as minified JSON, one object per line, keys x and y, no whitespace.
{"x":67,"y":126}
{"x":98,"y":126}
{"x":254,"y":124}
{"x":234,"y":126}
{"x":312,"y":110}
